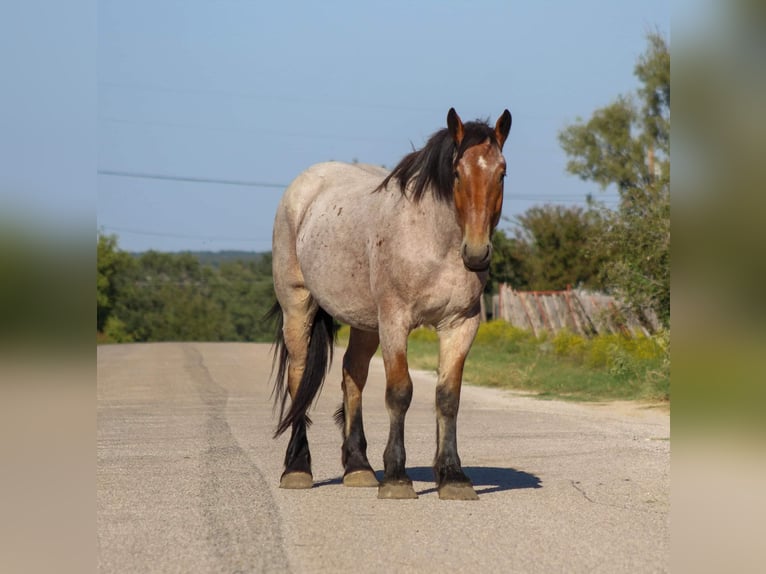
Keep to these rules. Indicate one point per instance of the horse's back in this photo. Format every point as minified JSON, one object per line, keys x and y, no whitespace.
{"x":323,"y":232}
{"x":331,"y":178}
{"x":375,"y":170}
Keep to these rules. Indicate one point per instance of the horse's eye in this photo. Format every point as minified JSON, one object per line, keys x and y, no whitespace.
{"x":457,"y":175}
{"x":502,"y":177}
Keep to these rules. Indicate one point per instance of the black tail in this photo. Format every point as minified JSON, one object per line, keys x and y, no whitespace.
{"x":321,"y":345}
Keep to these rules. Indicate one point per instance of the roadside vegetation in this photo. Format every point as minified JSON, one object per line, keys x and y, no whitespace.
{"x":156,"y":296}
{"x":564,"y":366}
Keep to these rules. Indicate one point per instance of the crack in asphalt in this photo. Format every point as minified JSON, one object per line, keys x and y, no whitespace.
{"x":575,"y":484}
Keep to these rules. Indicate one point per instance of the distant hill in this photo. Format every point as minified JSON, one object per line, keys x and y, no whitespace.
{"x":216,"y":258}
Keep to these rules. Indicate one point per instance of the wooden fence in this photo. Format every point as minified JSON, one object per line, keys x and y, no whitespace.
{"x":579,"y":311}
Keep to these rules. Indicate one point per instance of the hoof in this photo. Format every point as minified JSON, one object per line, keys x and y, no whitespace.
{"x":295,"y":480}
{"x":396,"y":490}
{"x":457,"y":491}
{"x":360,"y":478}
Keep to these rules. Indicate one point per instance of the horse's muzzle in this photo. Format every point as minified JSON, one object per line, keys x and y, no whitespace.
{"x":477,"y":258}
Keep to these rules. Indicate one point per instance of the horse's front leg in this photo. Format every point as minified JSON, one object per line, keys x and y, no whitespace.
{"x":393,"y":345}
{"x":454,"y":344}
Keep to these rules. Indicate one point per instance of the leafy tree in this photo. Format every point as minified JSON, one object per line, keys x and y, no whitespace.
{"x":246,"y":293}
{"x":508,"y":262}
{"x":110,"y":263}
{"x":627,"y":144}
{"x":558,"y":248}
{"x":552,"y":248}
{"x":169,"y":297}
{"x":175,"y":297}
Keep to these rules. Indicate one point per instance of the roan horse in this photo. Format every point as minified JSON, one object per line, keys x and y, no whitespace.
{"x":385,"y":253}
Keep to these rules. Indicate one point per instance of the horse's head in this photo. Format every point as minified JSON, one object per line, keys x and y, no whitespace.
{"x":479,"y":169}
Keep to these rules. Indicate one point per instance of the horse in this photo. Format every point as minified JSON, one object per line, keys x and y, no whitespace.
{"x":385,"y":253}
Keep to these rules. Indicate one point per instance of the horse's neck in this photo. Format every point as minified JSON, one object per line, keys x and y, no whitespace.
{"x":429,"y":224}
{"x":444,"y":218}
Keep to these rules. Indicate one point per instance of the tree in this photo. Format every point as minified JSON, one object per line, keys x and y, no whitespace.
{"x":627,"y":144}
{"x":246,"y":293}
{"x":508,"y":262}
{"x":176,"y":297}
{"x":552,"y":248}
{"x":110,"y":263}
{"x":170,"y":297}
{"x":559,"y":250}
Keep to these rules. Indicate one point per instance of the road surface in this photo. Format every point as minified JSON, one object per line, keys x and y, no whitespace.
{"x":188,"y":475}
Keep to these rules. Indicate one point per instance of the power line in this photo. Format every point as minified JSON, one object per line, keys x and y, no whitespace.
{"x":182,"y":235}
{"x":165,"y":177}
{"x":191,"y":179}
{"x":556,"y":198}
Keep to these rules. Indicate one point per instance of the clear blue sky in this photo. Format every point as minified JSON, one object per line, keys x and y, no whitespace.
{"x":258,"y":91}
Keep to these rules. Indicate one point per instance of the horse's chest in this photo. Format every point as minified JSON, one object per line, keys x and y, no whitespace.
{"x":448,"y":300}
{"x":435,"y":292}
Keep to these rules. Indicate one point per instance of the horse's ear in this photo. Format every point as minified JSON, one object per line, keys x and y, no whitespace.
{"x":502,"y":127}
{"x":455,"y":126}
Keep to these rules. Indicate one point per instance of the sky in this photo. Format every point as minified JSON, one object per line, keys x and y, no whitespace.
{"x":207,"y":109}
{"x":48,"y":140}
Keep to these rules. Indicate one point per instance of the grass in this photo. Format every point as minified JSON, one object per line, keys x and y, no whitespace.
{"x":566,"y":366}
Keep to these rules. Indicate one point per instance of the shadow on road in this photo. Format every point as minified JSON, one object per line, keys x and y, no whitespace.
{"x":486,"y":479}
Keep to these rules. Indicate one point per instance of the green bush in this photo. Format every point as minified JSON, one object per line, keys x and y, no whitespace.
{"x":116,"y":332}
{"x":501,"y":333}
{"x":600,"y":349}
{"x":568,"y":344}
{"x":424,"y":334}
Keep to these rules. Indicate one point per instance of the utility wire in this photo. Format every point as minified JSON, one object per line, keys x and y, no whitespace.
{"x":164,"y":177}
{"x":182,"y":235}
{"x":191,"y":179}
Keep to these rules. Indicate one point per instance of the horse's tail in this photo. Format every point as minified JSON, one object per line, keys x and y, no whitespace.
{"x":320,"y":349}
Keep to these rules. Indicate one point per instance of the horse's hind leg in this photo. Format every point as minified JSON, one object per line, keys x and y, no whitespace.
{"x":296,"y":332}
{"x":356,"y":363}
{"x":454,"y":345}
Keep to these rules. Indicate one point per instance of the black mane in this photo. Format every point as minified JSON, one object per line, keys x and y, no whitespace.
{"x":432,"y":168}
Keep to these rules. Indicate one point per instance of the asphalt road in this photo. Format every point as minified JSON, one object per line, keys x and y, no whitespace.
{"x":188,"y":474}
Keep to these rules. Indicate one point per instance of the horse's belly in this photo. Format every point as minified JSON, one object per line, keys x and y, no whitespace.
{"x":344,"y":297}
{"x":334,"y":262}
{"x":359,"y":317}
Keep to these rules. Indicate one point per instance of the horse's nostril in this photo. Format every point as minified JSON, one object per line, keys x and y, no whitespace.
{"x":477,"y":258}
